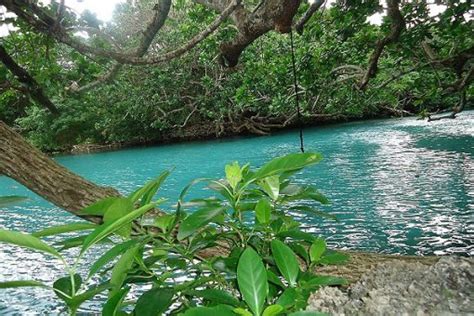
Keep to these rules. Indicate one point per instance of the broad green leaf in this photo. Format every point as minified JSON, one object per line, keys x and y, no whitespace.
{"x":297,"y":234}
{"x":113,"y":304}
{"x":149,"y":190}
{"x":20,"y":283}
{"x":100,"y":207}
{"x":154,"y":302}
{"x":61,"y":229}
{"x":288,"y":297}
{"x":119,"y":208}
{"x":272,"y":310}
{"x":300,"y":250}
{"x":66,"y":287}
{"x":164,"y":221}
{"x":215,"y":296}
{"x":27,"y":241}
{"x":286,"y":261}
{"x":289,"y":162}
{"x":11,"y":199}
{"x":242,"y":312}
{"x":233,"y":174}
{"x":197,"y":220}
{"x":271,"y":186}
{"x":218,"y":310}
{"x":252,"y":280}
{"x":263,"y":211}
{"x":106,"y":229}
{"x":295,"y":192}
{"x":110,"y":255}
{"x":317,"y":249}
{"x":121,"y":268}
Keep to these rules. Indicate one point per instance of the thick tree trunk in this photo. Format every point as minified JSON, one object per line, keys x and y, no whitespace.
{"x":42,"y":175}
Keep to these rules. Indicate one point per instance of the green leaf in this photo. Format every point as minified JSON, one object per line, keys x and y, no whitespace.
{"x":263,"y":211}
{"x":271,"y":186}
{"x":119,"y":208}
{"x":164,"y":221}
{"x":61,"y":229}
{"x":297,"y":234}
{"x":106,"y":229}
{"x":218,"y":310}
{"x":20,"y":283}
{"x":286,"y":261}
{"x":233,"y":174}
{"x":287,"y":163}
{"x":65,"y":288}
{"x":121,"y":268}
{"x":295,"y":192}
{"x":317,"y":249}
{"x":154,"y":302}
{"x":113,"y":304}
{"x":27,"y":241}
{"x":77,"y":300}
{"x":100,"y":207}
{"x":215,"y":296}
{"x":149,"y":190}
{"x":197,"y":220}
{"x":252,"y":280}
{"x":77,"y":242}
{"x":273,"y":278}
{"x":242,"y":312}
{"x":273,"y":310}
{"x":11,"y":199}
{"x":111,"y":254}
{"x":300,"y":251}
{"x":288,"y":297}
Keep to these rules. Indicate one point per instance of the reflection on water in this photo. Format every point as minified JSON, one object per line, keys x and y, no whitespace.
{"x":397,"y":186}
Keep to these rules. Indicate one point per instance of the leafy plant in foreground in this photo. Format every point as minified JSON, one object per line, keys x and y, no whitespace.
{"x":239,"y":252}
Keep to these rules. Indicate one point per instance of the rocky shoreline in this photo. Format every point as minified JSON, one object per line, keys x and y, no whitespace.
{"x":399,"y":285}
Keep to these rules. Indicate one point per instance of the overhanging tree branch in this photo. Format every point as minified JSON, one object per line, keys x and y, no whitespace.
{"x":299,"y":26}
{"x":43,"y":22}
{"x":397,"y":26}
{"x":34,"y":89}
{"x":162,"y":9}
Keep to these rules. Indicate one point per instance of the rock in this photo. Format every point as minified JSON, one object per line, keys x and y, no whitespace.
{"x":404,"y":288}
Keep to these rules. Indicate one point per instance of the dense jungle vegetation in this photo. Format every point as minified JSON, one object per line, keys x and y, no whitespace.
{"x":427,"y":69}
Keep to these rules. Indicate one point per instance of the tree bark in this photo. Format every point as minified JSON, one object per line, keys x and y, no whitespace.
{"x":42,"y":175}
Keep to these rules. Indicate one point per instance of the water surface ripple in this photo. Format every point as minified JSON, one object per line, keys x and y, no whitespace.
{"x":400,"y":186}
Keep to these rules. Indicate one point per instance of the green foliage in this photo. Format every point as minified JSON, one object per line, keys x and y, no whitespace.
{"x":259,"y":274}
{"x":146,"y":103}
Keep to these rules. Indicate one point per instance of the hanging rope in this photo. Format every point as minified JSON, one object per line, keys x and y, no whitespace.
{"x":297,"y":97}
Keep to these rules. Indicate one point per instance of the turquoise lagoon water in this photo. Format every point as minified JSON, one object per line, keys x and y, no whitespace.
{"x":399,"y":186}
